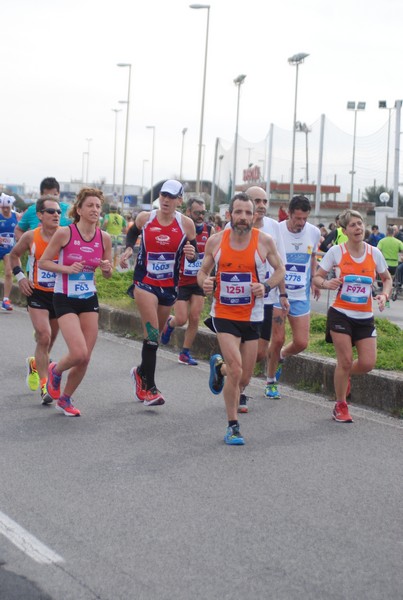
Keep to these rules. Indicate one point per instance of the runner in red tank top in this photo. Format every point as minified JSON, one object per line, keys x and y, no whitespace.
{"x":166,"y":236}
{"x":190,"y":302}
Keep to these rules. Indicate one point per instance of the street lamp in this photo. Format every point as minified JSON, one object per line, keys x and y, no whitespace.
{"x":238,"y":82}
{"x":82,"y":167}
{"x":116,"y":111}
{"x":352,"y":106}
{"x":88,"y":140}
{"x":127,"y":126}
{"x":199,"y":155}
{"x":184,"y":130}
{"x":152,"y":163}
{"x":295,"y":60}
{"x":303,"y":128}
{"x":383,"y":104}
{"x":145,"y":160}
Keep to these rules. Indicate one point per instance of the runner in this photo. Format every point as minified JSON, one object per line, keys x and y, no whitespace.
{"x":301,"y":240}
{"x":239,"y":255}
{"x":166,"y":236}
{"x":350,"y":320}
{"x":38,"y":289}
{"x":81,"y":247}
{"x":190,"y":302}
{"x":8,"y":223}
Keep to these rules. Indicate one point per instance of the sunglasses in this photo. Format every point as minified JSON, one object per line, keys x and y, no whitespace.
{"x":51,"y":211}
{"x":199,"y":213}
{"x":168,"y":195}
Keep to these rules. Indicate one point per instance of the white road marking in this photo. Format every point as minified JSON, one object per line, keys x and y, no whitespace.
{"x":26,"y":542}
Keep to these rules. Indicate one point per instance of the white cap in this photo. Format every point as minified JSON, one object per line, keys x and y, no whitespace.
{"x":173,"y":187}
{"x":6,"y":200}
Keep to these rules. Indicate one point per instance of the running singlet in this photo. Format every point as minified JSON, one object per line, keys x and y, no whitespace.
{"x":299,"y":248}
{"x":42,"y":280}
{"x":79,"y":285}
{"x":354,"y":297}
{"x":272,"y":227}
{"x":236,"y":270}
{"x":7,"y":227}
{"x":160,"y":252}
{"x":188,"y":271}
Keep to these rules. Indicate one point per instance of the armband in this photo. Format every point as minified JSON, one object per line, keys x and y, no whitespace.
{"x":20,"y":276}
{"x":17,"y":270}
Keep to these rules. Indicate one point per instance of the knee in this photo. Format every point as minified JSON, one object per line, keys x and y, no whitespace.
{"x":193,"y":320}
{"x":43,"y":338}
{"x":300,"y":346}
{"x":234,"y":372}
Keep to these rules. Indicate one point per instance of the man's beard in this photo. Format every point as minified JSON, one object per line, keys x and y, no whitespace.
{"x":241,"y":230}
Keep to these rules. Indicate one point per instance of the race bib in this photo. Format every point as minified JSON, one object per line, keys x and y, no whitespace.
{"x":7,"y":240}
{"x":295,"y":276}
{"x":191,"y":269}
{"x":160,"y":265}
{"x":81,"y":285}
{"x":235,"y":288}
{"x":46,"y":279}
{"x":356,"y":290}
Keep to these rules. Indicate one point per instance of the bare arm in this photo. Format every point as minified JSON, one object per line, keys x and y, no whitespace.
{"x":203,"y":277}
{"x":106,"y":263}
{"x":22,"y":246}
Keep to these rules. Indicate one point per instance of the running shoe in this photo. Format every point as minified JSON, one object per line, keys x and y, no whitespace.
{"x":166,"y":332}
{"x":341,"y":414}
{"x":66,"y":407}
{"x":233,"y":436}
{"x":271,"y":391}
{"x":216,"y":381}
{"x":6,"y":305}
{"x":32,"y":374}
{"x":53,"y":385}
{"x":279,"y":369}
{"x":153,"y":397}
{"x":46,"y":398}
{"x":243,"y":404}
{"x":185,"y":358}
{"x":139,"y":385}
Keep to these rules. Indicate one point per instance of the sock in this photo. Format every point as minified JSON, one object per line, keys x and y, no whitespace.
{"x":149,"y":362}
{"x":271,"y":380}
{"x":43,"y":381}
{"x":65,"y":398}
{"x":233,"y":424}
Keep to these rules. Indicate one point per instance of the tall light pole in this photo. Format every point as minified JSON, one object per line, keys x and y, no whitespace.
{"x":383,"y":104}
{"x":238,"y":82}
{"x":303,"y":128}
{"x":82,"y":167}
{"x":352,"y":106}
{"x":199,"y":154}
{"x":145,"y":160}
{"x":295,"y":61}
{"x":219,"y":175}
{"x":88,"y":140}
{"x":184,"y":130}
{"x":127,"y":126}
{"x":152,"y":163}
{"x":116,"y":111}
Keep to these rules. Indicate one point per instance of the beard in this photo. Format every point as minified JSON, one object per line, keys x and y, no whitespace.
{"x":241,"y":230}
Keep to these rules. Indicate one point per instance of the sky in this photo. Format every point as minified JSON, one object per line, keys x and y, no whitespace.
{"x":60,"y":80}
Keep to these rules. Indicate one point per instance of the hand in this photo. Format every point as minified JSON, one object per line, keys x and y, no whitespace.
{"x":189,"y":251}
{"x":208,"y":285}
{"x":105,"y":266}
{"x":26,"y":286}
{"x":76,"y":267}
{"x":258,"y":290}
{"x":285,"y":305}
{"x":123,"y":260}
{"x":381,"y":299}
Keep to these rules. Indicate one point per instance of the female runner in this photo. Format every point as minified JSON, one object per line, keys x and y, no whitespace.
{"x":81,"y":247}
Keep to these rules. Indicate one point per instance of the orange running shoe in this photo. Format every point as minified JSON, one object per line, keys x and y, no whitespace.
{"x":341,"y":414}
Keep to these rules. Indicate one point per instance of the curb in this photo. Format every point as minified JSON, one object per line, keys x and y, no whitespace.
{"x":381,"y":390}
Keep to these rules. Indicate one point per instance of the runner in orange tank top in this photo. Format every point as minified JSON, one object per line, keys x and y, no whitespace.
{"x":239,"y":255}
{"x":350,"y":321}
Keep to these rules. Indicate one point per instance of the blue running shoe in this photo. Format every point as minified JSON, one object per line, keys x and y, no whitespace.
{"x":216,"y":381}
{"x":271,"y":391}
{"x":233,"y":436}
{"x":279,"y":369}
{"x":185,"y":358}
{"x":166,"y":332}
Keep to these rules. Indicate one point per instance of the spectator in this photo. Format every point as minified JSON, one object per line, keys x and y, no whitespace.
{"x":375,"y":236}
{"x":390,"y":248}
{"x":114,"y":223}
{"x":282,"y":214}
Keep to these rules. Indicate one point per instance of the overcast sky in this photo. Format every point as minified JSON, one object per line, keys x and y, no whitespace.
{"x":60,"y":81}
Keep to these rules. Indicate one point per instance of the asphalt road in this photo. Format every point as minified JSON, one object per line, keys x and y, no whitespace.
{"x":135,"y":503}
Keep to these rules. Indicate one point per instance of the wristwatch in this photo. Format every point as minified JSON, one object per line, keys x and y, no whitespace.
{"x":267,"y":288}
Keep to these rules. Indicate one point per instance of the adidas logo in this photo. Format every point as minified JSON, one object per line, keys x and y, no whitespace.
{"x":161,"y":257}
{"x":234,"y":278}
{"x":82,"y":276}
{"x":293,"y":268}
